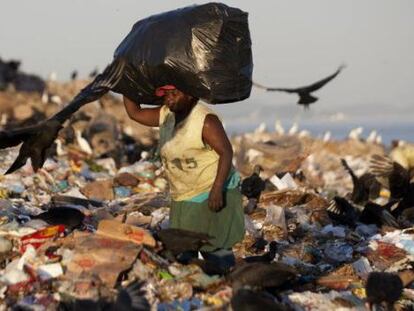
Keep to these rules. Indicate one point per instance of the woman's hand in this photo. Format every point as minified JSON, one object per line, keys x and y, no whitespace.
{"x":215,"y":199}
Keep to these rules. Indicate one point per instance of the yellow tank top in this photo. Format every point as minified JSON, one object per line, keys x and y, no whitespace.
{"x":190,"y":165}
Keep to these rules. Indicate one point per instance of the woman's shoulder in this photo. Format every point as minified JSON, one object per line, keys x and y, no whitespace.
{"x":203,"y":108}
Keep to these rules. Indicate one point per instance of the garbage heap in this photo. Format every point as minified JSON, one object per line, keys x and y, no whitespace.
{"x":83,"y":229}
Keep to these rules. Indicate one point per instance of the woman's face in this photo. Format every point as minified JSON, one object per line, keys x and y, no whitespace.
{"x":177,"y":101}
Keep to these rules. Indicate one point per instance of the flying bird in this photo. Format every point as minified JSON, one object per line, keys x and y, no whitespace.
{"x":344,"y":212}
{"x":304,"y":92}
{"x":366,"y":187}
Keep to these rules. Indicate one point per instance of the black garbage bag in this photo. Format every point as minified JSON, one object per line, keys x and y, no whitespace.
{"x":204,"y":50}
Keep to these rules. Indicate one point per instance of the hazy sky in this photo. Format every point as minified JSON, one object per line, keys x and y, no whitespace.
{"x":295,"y":42}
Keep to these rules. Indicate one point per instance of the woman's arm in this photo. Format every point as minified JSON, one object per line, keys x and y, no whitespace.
{"x":145,"y":116}
{"x":215,"y":136}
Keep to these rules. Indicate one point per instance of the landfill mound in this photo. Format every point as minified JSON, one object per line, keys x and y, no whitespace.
{"x":85,"y":229}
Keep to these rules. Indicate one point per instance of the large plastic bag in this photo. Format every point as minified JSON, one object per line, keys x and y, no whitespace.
{"x":204,"y":50}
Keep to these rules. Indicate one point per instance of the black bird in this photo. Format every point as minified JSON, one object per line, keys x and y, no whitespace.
{"x":130,"y":298}
{"x":74,"y":75}
{"x":178,"y":241}
{"x":365,"y":187}
{"x":259,"y":244}
{"x":344,"y":212}
{"x":248,"y":300}
{"x":252,"y":187}
{"x":72,"y":218}
{"x":259,"y":275}
{"x":38,"y":138}
{"x":383,"y":287}
{"x":398,"y":177}
{"x":266,"y":257}
{"x":93,"y":73}
{"x":399,"y":182}
{"x":304,"y":92}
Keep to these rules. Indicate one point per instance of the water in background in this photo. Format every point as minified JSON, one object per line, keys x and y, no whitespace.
{"x":340,"y":130}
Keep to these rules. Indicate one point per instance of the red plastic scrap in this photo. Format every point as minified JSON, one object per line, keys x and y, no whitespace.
{"x":40,"y":237}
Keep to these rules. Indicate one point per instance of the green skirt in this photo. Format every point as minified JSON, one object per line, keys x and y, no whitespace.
{"x":226,"y":226}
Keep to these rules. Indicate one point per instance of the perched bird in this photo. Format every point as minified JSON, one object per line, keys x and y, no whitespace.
{"x":294,"y":129}
{"x":178,"y":241}
{"x":366,"y":187}
{"x":326,"y":136}
{"x":261,"y":128}
{"x":72,"y":218}
{"x":372,"y":137}
{"x":279,"y":128}
{"x":74,"y":75}
{"x":130,"y":298}
{"x":252,"y":187}
{"x":93,"y":73}
{"x":304,"y":92}
{"x":343,"y":212}
{"x":266,"y":257}
{"x":248,"y":300}
{"x":355,"y":133}
{"x":83,"y":143}
{"x":259,"y":275}
{"x":259,"y":244}
{"x":38,"y":138}
{"x":383,"y":288}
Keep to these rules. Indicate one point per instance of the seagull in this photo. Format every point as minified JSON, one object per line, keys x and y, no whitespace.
{"x":279,"y":128}
{"x":372,"y":137}
{"x":294,"y":129}
{"x":304,"y":92}
{"x":83,"y":143}
{"x":326,"y":136}
{"x":355,"y":133}
{"x":261,"y":128}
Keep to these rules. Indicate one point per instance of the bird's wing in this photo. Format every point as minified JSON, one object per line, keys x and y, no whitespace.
{"x":388,"y":219}
{"x":273,"y":89}
{"x":103,"y":82}
{"x":317,"y":85}
{"x":305,"y":89}
{"x":132,"y":298}
{"x":381,"y":166}
{"x":37,"y":139}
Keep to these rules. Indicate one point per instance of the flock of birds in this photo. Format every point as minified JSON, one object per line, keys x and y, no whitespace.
{"x":257,"y":279}
{"x":356,"y":207}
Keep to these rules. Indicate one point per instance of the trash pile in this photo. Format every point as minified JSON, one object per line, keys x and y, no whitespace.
{"x":90,"y":229}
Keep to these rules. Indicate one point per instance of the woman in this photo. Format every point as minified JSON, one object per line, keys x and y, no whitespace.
{"x":197,"y":155}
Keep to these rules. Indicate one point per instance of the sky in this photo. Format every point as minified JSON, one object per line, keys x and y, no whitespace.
{"x":294,"y":43}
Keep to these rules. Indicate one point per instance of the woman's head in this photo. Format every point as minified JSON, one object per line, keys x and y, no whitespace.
{"x":176,"y":100}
